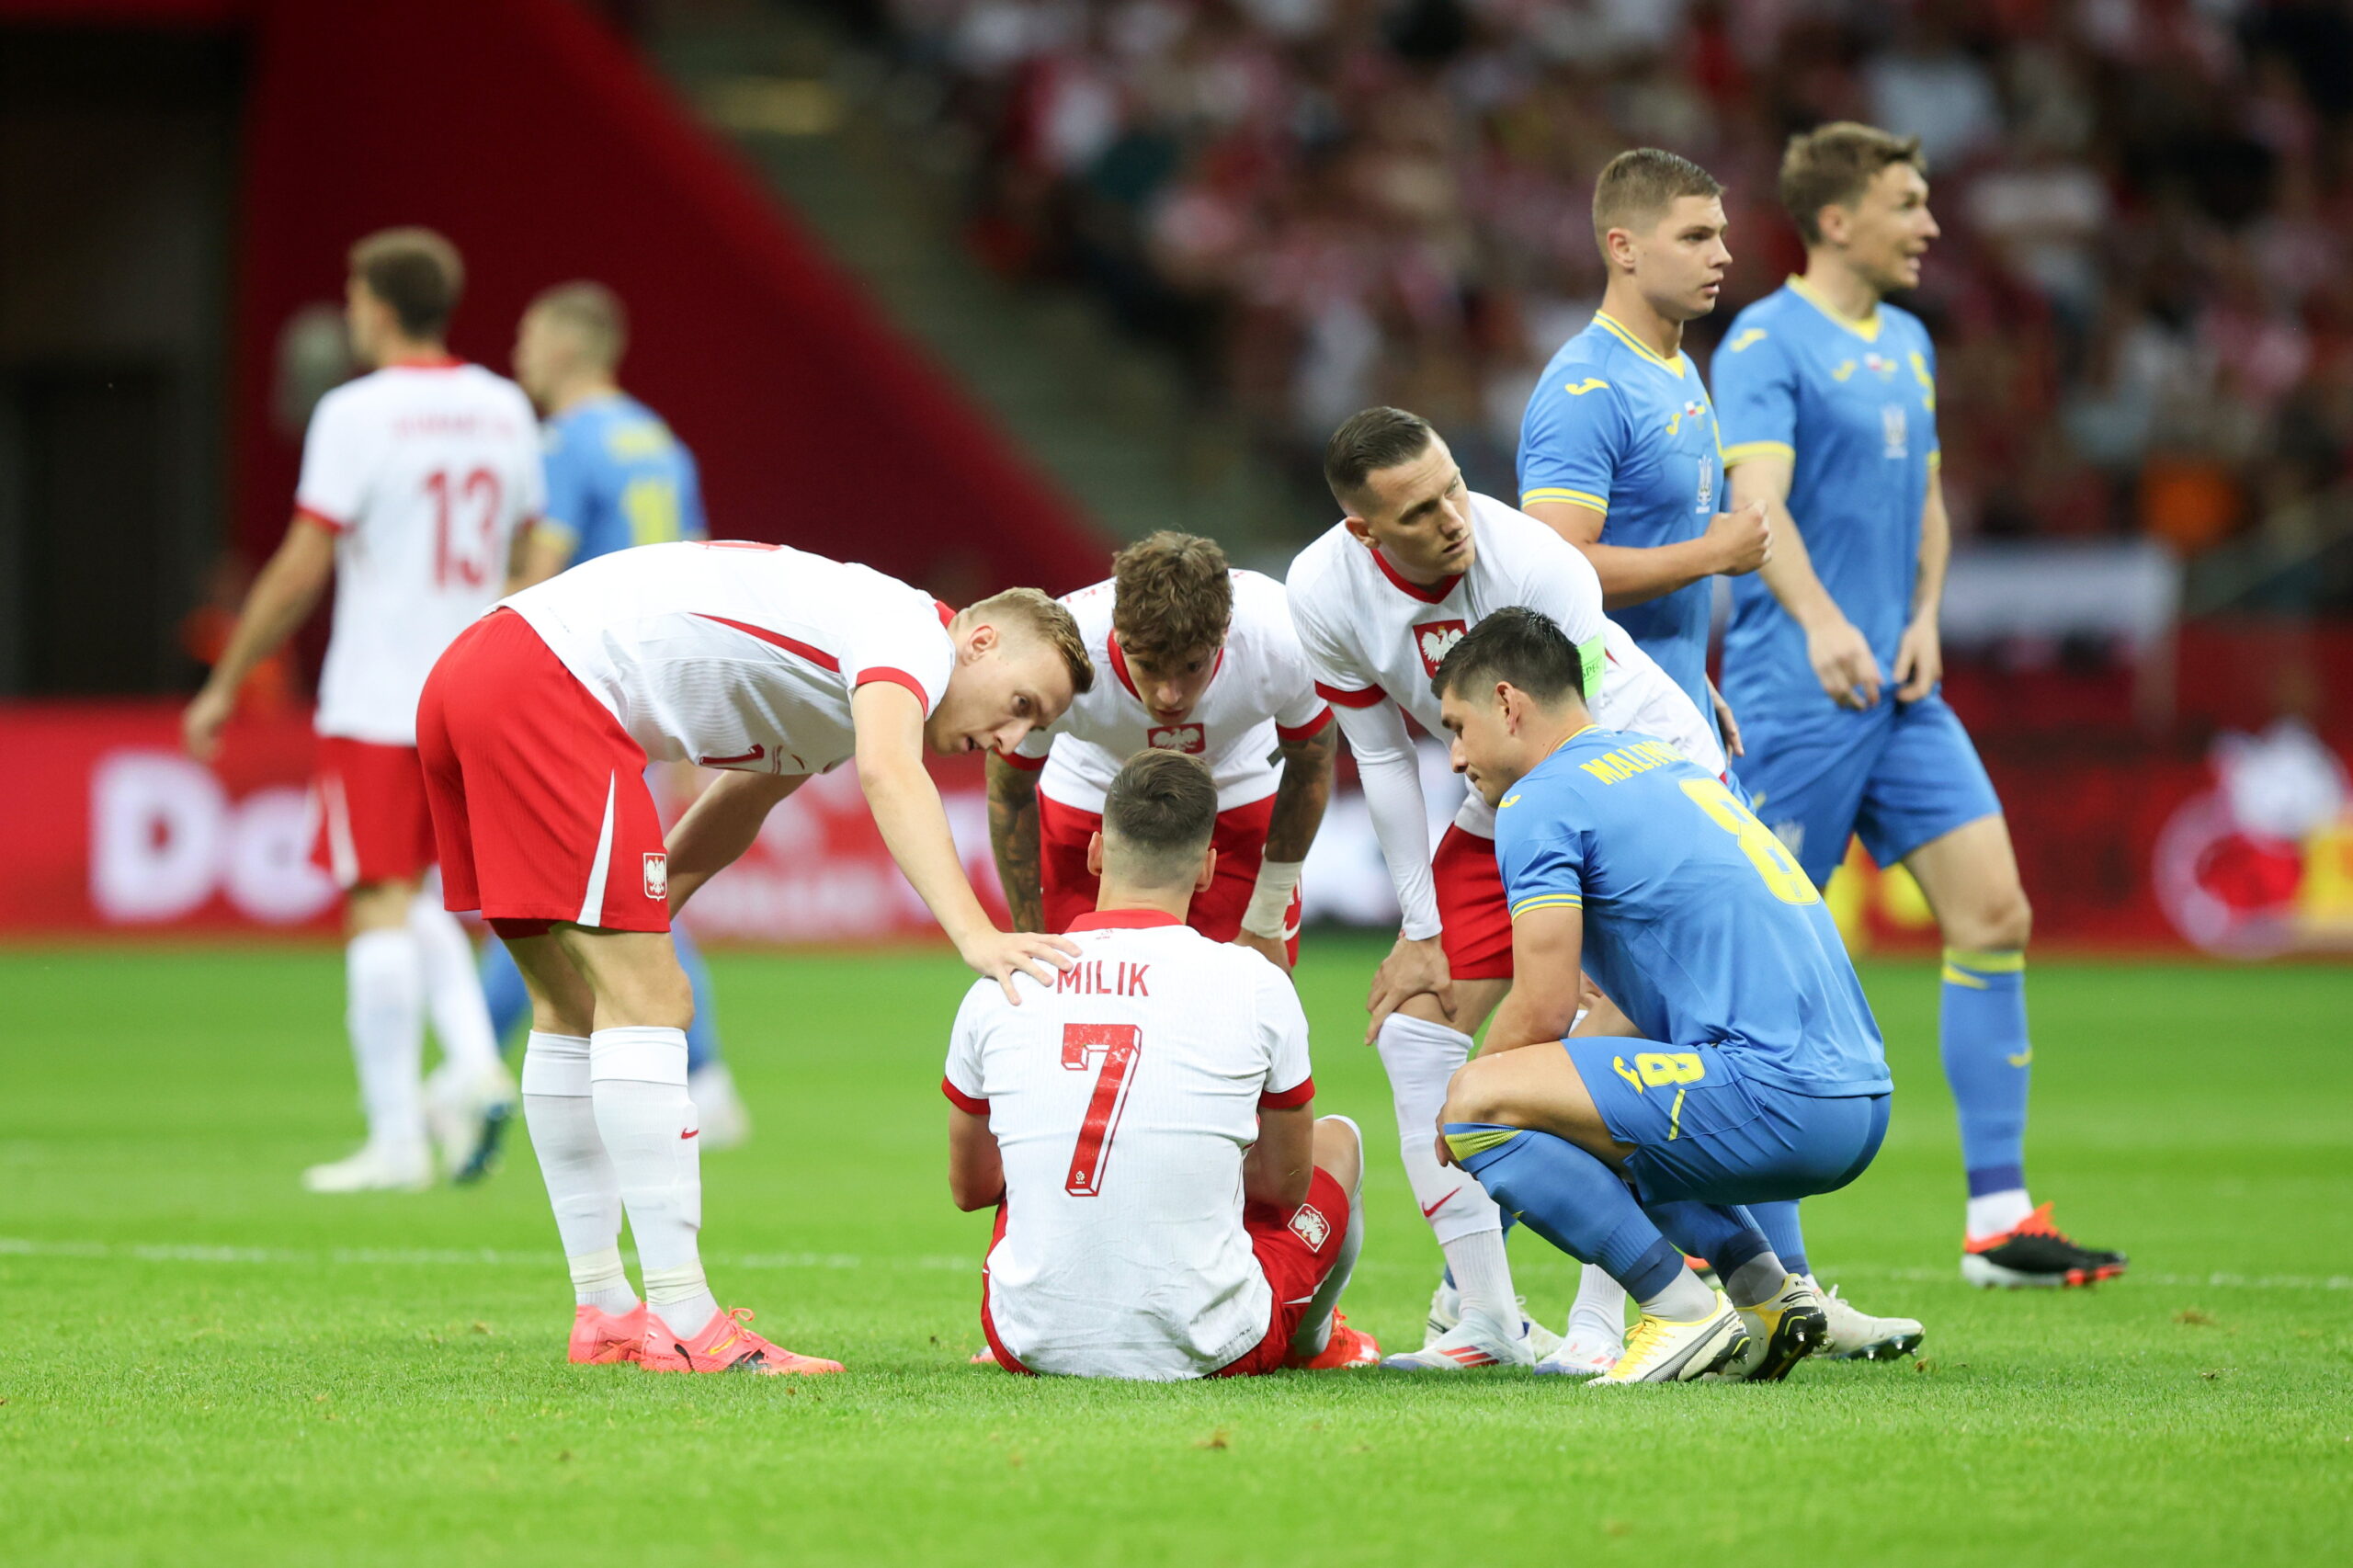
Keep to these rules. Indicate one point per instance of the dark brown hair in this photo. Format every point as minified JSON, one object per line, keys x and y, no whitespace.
{"x":1516,"y":644}
{"x":1173,"y":595}
{"x":1833,"y":165}
{"x":1159,"y":815}
{"x":1369,"y":441}
{"x":414,"y":271}
{"x":1643,"y":182}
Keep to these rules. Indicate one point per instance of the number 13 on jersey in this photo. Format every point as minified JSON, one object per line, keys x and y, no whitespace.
{"x":1116,"y":1045}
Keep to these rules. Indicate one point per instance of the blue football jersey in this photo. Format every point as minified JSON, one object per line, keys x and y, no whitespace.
{"x":1613,"y":426}
{"x":1697,"y":923}
{"x":617,"y":478}
{"x":1854,"y":404}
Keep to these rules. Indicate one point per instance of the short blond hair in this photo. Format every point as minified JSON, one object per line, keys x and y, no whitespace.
{"x":1039,"y":614}
{"x":592,"y":313}
{"x":1833,"y":165}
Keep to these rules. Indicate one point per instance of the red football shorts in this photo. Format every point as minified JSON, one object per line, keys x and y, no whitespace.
{"x":373,"y":822}
{"x":1297,"y":1250}
{"x":1474,"y":920}
{"x":1240,"y":840}
{"x":538,"y":795}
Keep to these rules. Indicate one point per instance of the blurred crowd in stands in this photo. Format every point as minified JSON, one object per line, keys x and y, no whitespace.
{"x":2141,"y":295}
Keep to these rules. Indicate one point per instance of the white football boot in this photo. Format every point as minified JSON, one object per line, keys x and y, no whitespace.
{"x":719,"y":1110}
{"x":1446,"y":1311}
{"x":1476,"y":1340}
{"x":1859,"y":1336}
{"x":374,"y":1169}
{"x":1582,"y":1355}
{"x":1663,"y":1351}
{"x":465,"y":1114}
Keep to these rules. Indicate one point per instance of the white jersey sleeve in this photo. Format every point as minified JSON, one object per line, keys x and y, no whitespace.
{"x":1392,"y":775}
{"x":962,"y":1082}
{"x":1282,"y":1027}
{"x":900,"y":642}
{"x":343,"y":457}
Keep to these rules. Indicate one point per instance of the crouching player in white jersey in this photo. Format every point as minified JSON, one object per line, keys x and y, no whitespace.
{"x":415,"y":481}
{"x":770,"y":665}
{"x":1191,"y":657}
{"x":1169,"y":1205}
{"x":1378,"y":600}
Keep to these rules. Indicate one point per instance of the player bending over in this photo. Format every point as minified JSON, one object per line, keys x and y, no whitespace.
{"x":1168,"y":1204}
{"x":617,"y":478}
{"x":1754,"y":1070}
{"x":770,"y":665}
{"x":1833,"y":660}
{"x":1189,"y":656}
{"x":416,"y":479}
{"x":1378,"y":600}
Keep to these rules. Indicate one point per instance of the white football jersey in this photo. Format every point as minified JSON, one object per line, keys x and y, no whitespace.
{"x":1370,"y":635}
{"x":424,"y":472}
{"x":1122,"y":1100}
{"x":1262,"y":694}
{"x":739,"y":655}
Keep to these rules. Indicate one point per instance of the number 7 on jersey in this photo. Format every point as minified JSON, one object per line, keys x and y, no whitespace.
{"x":1117,"y":1044}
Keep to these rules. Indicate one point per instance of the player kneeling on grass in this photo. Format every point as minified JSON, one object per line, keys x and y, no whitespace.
{"x":1168,"y":1205}
{"x":766,"y":663}
{"x":1755,"y":1071}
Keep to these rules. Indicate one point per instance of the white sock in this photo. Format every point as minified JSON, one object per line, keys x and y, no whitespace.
{"x":1997,"y":1211}
{"x":680,"y":1298}
{"x":452,"y":988}
{"x":1600,"y":1310}
{"x":598,"y":1280}
{"x":1419,"y":1058}
{"x":1482,"y":1278}
{"x":1685,"y":1300}
{"x":638,"y":1078}
{"x":386,"y":1013}
{"x":559,"y":1111}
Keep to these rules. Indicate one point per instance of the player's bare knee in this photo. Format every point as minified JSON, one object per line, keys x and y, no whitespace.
{"x":1477,"y":1093}
{"x":2001,"y":921}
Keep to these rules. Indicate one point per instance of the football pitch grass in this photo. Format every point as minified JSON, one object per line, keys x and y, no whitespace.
{"x":203,"y":1364}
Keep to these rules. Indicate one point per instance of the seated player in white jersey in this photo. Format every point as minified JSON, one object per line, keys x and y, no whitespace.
{"x":769,"y":665}
{"x":1168,"y":1205}
{"x":1379,"y":599}
{"x":415,"y":480}
{"x":1192,"y":656}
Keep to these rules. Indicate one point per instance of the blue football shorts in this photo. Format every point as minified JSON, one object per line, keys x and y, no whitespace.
{"x":1704,"y":1133}
{"x":1899,"y":775}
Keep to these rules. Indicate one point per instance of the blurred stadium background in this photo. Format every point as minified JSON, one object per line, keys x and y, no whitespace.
{"x":973,"y":289}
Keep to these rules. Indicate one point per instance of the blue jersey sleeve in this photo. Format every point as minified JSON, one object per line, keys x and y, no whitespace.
{"x":1924,"y":370}
{"x":692,"y":524}
{"x":570,"y":485}
{"x":1543,"y":866}
{"x":1756,"y":397}
{"x":1572,"y":440}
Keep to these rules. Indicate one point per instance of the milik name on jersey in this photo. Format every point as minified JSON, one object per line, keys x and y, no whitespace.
{"x":1086,"y":978}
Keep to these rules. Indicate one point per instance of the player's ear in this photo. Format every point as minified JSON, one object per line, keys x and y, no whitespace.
{"x":1209,"y":870}
{"x":1358,"y":530}
{"x":1095,"y":855}
{"x":983,"y":639}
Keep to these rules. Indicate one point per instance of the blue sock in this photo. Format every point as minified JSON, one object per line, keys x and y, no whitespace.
{"x":1779,"y":1223}
{"x":502,"y":987}
{"x":1981,"y":1025}
{"x":1726,"y":1236}
{"x":1570,"y":1198}
{"x":703,"y":1035}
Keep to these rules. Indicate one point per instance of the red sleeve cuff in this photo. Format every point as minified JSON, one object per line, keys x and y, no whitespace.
{"x":896,"y":678}
{"x":1368,"y":698}
{"x":1290,"y":1098}
{"x":1289,"y":735}
{"x":327,"y":521}
{"x":1026,"y":764}
{"x":963,"y":1101}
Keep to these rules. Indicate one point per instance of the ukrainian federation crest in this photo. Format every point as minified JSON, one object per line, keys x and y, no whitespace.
{"x":1187,"y":738}
{"x":1307,"y":1222}
{"x":1892,"y":425}
{"x":1434,"y":639}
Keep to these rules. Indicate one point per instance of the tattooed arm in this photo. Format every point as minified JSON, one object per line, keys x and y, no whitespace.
{"x":1013,"y":838}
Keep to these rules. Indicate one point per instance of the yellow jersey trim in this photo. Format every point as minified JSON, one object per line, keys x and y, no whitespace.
{"x":1937,"y":458}
{"x":1466,"y":1145}
{"x":1575,"y":498}
{"x":1867,"y":329}
{"x":1747,"y":450}
{"x":557,"y":528}
{"x":1616,"y":329}
{"x":1547,"y":900}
